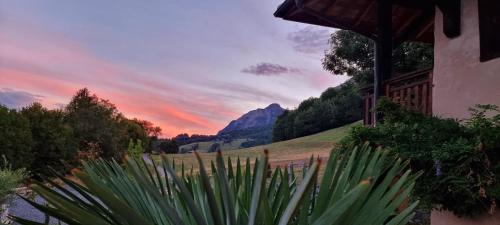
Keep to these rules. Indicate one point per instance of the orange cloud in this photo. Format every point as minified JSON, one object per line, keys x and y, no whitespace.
{"x":48,"y":64}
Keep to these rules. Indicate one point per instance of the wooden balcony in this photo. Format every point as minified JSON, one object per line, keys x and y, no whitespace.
{"x":412,"y":90}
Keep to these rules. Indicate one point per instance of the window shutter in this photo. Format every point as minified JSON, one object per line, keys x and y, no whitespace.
{"x":489,"y":29}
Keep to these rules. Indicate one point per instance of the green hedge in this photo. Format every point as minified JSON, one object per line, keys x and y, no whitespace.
{"x":460,"y":159}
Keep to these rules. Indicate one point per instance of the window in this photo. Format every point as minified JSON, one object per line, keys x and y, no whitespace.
{"x":489,"y":29}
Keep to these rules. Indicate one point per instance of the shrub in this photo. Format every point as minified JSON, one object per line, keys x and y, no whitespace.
{"x":460,"y":159}
{"x":215,"y":147}
{"x":9,"y":178}
{"x":135,"y":149}
{"x":357,"y":188}
{"x":167,"y":146}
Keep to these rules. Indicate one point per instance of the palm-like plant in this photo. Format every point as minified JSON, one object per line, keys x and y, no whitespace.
{"x":363,"y":186}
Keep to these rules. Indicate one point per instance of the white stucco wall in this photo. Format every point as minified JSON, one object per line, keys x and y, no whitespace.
{"x":460,"y":80}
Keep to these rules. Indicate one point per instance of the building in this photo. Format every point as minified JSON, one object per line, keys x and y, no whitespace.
{"x":466,"y":38}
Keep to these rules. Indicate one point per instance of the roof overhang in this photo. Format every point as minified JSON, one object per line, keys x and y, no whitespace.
{"x":412,"y":20}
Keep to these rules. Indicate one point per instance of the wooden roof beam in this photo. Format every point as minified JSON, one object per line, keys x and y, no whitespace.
{"x":362,"y":14}
{"x":415,"y":27}
{"x":408,"y":22}
{"x":327,"y":7}
{"x":416,"y":4}
{"x":426,"y":27}
{"x":335,"y":23}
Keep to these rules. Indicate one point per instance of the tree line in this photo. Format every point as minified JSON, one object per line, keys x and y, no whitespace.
{"x":184,"y":139}
{"x":335,"y":107}
{"x":37,"y":138}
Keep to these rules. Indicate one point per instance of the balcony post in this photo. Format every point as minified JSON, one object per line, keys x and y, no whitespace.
{"x":383,"y":52}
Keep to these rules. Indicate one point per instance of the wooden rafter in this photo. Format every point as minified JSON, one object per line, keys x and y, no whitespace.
{"x":362,"y":17}
{"x":416,"y":4}
{"x":329,"y":20}
{"x":414,"y":27}
{"x":327,"y":7}
{"x":426,"y":27}
{"x":362,"y":14}
{"x":408,"y":22}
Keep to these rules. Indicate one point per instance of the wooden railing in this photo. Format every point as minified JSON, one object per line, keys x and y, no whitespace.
{"x":412,"y":91}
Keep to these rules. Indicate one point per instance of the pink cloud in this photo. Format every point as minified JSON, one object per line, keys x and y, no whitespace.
{"x":47,"y":63}
{"x":323,"y":80}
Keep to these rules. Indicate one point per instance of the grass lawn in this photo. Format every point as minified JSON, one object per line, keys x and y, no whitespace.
{"x":280,"y":153}
{"x":205,"y":146}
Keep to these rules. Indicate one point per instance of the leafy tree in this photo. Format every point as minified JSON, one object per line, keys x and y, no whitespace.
{"x":345,"y":106}
{"x":95,"y":124}
{"x":150,"y":129}
{"x":16,"y":141}
{"x":281,"y":126}
{"x":132,"y":130}
{"x":168,"y":146}
{"x":53,"y":139}
{"x":152,"y":133}
{"x":353,"y":54}
{"x":36,"y":137}
{"x":184,"y":139}
{"x":335,"y":107}
{"x":306,"y":122}
{"x":307,"y":104}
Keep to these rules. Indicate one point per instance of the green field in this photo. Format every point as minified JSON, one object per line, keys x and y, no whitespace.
{"x":205,"y":146}
{"x":280,"y":153}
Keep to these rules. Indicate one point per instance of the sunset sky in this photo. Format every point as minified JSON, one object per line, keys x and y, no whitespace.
{"x":187,"y":66}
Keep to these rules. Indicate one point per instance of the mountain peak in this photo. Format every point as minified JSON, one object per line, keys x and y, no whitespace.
{"x":273,"y":106}
{"x":256,"y":118}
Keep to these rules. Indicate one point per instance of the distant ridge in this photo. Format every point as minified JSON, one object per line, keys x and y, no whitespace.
{"x":251,"y":129}
{"x":255,"y":118}
{"x":256,"y":126}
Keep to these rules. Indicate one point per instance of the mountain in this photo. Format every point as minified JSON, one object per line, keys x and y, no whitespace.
{"x":255,"y":118}
{"x":256,"y":126}
{"x":251,"y":129}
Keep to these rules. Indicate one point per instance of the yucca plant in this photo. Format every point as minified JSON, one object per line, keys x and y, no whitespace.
{"x":363,"y":186}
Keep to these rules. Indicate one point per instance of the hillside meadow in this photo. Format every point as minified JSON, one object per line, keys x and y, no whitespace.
{"x":205,"y":146}
{"x":282,"y":153}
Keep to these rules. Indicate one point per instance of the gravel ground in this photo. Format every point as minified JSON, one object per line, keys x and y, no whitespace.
{"x":20,"y":208}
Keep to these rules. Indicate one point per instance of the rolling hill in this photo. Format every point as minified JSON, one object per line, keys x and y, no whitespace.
{"x":280,"y":153}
